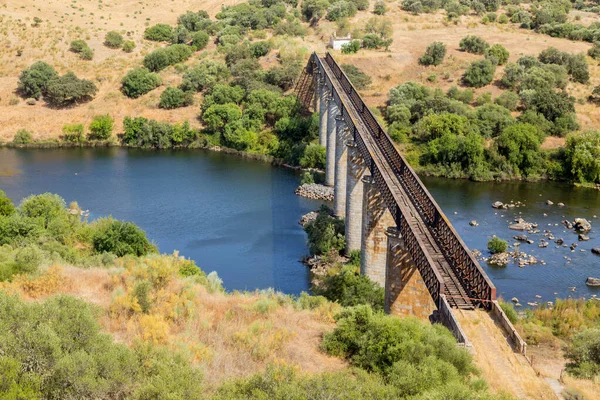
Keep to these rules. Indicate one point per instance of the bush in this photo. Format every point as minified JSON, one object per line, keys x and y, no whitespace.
{"x":508,"y":100}
{"x":174,"y":98}
{"x":358,"y":78}
{"x":113,"y":39}
{"x":6,"y":205}
{"x":434,"y":55}
{"x":77,"y":46}
{"x":138,"y":82}
{"x":497,"y":245}
{"x":510,"y":312}
{"x":380,"y":8}
{"x":101,"y":127}
{"x":473,"y":44}
{"x":594,"y":51}
{"x":582,"y":157}
{"x":159,"y":33}
{"x":34,"y":81}
{"x":498,"y":53}
{"x":503,"y":19}
{"x":314,"y":157}
{"x":200,"y":40}
{"x":128,"y":46}
{"x":69,"y":89}
{"x":349,"y":288}
{"x":204,"y":75}
{"x":86,"y":54}
{"x":161,"y":58}
{"x":23,"y":136}
{"x":28,"y":259}
{"x":584,"y":354}
{"x":479,"y":74}
{"x":307,"y":178}
{"x":341,"y":9}
{"x":351,"y":48}
{"x":73,"y":133}
{"x":325,"y":233}
{"x":120,"y":238}
{"x":260,"y":49}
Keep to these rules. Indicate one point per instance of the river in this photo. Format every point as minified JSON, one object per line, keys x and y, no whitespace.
{"x":240,"y":217}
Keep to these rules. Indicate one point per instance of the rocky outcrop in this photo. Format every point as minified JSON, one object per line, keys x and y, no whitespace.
{"x":308,"y":217}
{"x":592,"y":281}
{"x":315,"y":191}
{"x":522,"y":225}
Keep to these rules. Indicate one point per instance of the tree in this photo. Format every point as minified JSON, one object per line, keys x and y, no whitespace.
{"x":194,"y":21}
{"x":551,"y":104}
{"x":480,"y":73}
{"x":520,"y":145}
{"x":492,"y":119}
{"x":582,"y":156}
{"x":204,"y":75}
{"x":6,"y":205}
{"x":380,"y":8}
{"x":341,"y":9}
{"x":161,"y":58}
{"x":508,"y":100}
{"x":159,"y":33}
{"x":217,"y":116}
{"x":578,"y":68}
{"x":351,"y":47}
{"x":314,"y":157}
{"x":434,"y":55}
{"x":325,"y":233}
{"x":113,"y":39}
{"x":349,"y":288}
{"x":498,"y":53}
{"x":33,"y":82}
{"x":434,"y":126}
{"x":101,"y":127}
{"x":73,"y":133}
{"x":497,"y":245}
{"x":120,"y":238}
{"x":584,"y":354}
{"x":69,"y":89}
{"x":46,"y":207}
{"x":174,"y":97}
{"x":138,"y":82}
{"x":513,"y":74}
{"x":200,"y":40}
{"x":314,"y":10}
{"x":473,"y":44}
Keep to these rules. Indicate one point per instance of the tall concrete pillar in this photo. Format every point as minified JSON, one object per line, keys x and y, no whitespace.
{"x":354,"y":196}
{"x":376,"y":219}
{"x":317,"y":93}
{"x":405,"y":290}
{"x":323,"y":113}
{"x":331,"y":134}
{"x":341,"y":168}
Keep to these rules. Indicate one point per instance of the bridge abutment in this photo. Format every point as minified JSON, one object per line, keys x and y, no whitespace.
{"x":332,"y":114}
{"x":341,"y":168}
{"x":354,"y":197}
{"x":405,"y":289}
{"x":376,"y":219}
{"x":323,"y":111}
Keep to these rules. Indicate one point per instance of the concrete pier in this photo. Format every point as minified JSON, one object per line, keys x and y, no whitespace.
{"x":341,"y":168}
{"x":331,"y":135}
{"x":354,"y":197}
{"x":376,"y":219}
{"x":405,"y":290}
{"x":323,"y":112}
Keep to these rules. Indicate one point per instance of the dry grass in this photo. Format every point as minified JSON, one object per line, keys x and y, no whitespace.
{"x":229,"y":335}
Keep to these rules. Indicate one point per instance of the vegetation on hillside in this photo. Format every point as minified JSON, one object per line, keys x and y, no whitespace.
{"x":182,"y":337}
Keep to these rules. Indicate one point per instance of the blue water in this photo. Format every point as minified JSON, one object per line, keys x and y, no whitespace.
{"x":234,"y":216}
{"x":240,"y":217}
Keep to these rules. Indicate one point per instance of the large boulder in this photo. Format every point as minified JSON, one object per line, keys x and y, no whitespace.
{"x":581,"y":225}
{"x":499,"y":205}
{"x":592,"y":281}
{"x":596,"y":251}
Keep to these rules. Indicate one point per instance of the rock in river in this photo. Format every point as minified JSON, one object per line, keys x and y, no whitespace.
{"x":583,"y":237}
{"x":581,"y":225}
{"x":592,"y":281}
{"x":596,"y":251}
{"x":499,"y":205}
{"x":315,"y":191}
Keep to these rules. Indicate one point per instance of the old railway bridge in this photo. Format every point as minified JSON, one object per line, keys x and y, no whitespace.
{"x":407,"y":244}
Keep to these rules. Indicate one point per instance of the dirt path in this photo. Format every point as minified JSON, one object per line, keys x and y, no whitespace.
{"x":505,"y":370}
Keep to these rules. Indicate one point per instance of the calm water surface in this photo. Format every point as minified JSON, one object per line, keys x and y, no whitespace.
{"x":239,"y":217}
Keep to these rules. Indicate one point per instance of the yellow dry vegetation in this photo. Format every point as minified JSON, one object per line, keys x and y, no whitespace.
{"x":230,"y":335}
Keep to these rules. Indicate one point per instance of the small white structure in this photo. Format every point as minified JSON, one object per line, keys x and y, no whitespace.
{"x":336,"y":43}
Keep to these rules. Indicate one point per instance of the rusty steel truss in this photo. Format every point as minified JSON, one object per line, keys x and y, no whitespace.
{"x":444,"y":261}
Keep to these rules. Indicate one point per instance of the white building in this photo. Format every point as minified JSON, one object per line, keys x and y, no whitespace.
{"x":336,"y":43}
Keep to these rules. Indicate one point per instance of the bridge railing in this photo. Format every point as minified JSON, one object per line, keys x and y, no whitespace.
{"x":431,"y":276}
{"x":456,"y":253}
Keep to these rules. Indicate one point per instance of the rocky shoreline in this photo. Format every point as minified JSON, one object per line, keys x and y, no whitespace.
{"x":315,"y":191}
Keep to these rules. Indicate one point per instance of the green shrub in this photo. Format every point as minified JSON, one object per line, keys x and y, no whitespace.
{"x":358,"y":78}
{"x":161,"y":58}
{"x":113,"y":39}
{"x":434,"y":55}
{"x":204,"y":75}
{"x":594,"y":51}
{"x":6,"y":205}
{"x":584,"y":354}
{"x":480,"y":73}
{"x":73,"y":133}
{"x":510,"y":311}
{"x":120,"y":238}
{"x":473,"y":44}
{"x":28,"y":259}
{"x":313,"y":157}
{"x":351,"y":48}
{"x":582,"y":157}
{"x":128,"y":46}
{"x":69,"y":89}
{"x":325,"y":233}
{"x":497,"y":245}
{"x":200,"y":40}
{"x":174,"y":98}
{"x":497,"y":54}
{"x":77,"y":46}
{"x":508,"y":100}
{"x":159,"y":33}
{"x":34,"y":81}
{"x":86,"y":54}
{"x":138,"y":82}
{"x":23,"y":136}
{"x":503,"y":19}
{"x":307,"y":178}
{"x":101,"y":127}
{"x":349,"y":288}
{"x":260,"y":49}
{"x":380,"y":8}
{"x":341,"y":9}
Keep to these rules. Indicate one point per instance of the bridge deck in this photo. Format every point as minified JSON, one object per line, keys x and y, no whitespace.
{"x":454,"y":291}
